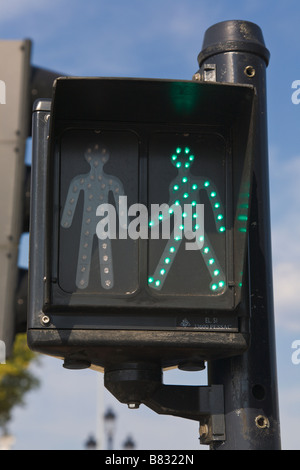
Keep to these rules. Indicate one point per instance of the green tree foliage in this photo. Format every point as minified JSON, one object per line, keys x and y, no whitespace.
{"x":16,"y":379}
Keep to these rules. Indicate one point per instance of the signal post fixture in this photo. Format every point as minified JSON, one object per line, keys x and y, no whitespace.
{"x":139,"y":234}
{"x":235,"y":52}
{"x":20,"y":84}
{"x":14,"y":104}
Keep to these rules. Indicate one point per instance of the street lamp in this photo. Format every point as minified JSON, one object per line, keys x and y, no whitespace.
{"x":109,"y":427}
{"x":91,"y":443}
{"x":129,"y":444}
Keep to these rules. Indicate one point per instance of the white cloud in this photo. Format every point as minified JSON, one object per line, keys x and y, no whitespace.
{"x":16,"y":8}
{"x":286,"y":295}
{"x":290,"y":415}
{"x":285,"y":177}
{"x":285,"y":204}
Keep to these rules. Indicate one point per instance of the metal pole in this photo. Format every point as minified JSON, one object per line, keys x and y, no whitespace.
{"x":234,"y":51}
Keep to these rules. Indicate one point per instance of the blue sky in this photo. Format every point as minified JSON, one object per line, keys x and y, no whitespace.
{"x":161,"y":39}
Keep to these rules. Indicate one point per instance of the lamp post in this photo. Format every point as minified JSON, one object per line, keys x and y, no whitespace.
{"x":91,"y":443}
{"x":109,"y":427}
{"x":129,"y":444}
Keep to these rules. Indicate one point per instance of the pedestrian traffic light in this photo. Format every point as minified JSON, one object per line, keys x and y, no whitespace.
{"x":139,"y":219}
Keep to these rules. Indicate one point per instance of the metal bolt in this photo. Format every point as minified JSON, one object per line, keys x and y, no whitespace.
{"x":45,"y":320}
{"x":197,"y":76}
{"x":203,"y":430}
{"x":262,"y":422}
{"x":133,"y":406}
{"x":249,"y":71}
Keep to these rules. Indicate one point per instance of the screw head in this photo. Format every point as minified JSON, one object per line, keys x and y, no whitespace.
{"x":45,"y":320}
{"x":203,"y":430}
{"x":133,"y":406}
{"x":262,"y":422}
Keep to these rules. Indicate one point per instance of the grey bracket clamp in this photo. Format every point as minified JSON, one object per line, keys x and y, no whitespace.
{"x":133,"y":384}
{"x":201,"y":403}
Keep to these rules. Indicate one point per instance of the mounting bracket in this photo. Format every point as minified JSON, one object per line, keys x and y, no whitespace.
{"x":136,"y":383}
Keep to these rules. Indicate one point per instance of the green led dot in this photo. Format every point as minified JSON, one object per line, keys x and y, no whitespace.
{"x":214,"y":287}
{"x":213,"y":194}
{"x":217,"y":205}
{"x":222,"y":229}
{"x":211,"y":261}
{"x":195,"y":216}
{"x":206,"y":184}
{"x":162,"y":272}
{"x":160,"y":217}
{"x":221,"y":284}
{"x":194,"y":203}
{"x":220,"y":217}
{"x":191,"y":158}
{"x":242,"y":217}
{"x":187,"y":150}
{"x":177,"y":203}
{"x":181,"y":227}
{"x":184,"y":180}
{"x":201,"y":238}
{"x":178,"y":164}
{"x":216,"y":272}
{"x":186,"y":165}
{"x":184,"y":214}
{"x":167,"y":260}
{"x":150,"y":280}
{"x":244,"y":230}
{"x":172,"y":249}
{"x":157,"y":283}
{"x":177,"y":238}
{"x":194,"y":186}
{"x":197,"y":226}
{"x":174,"y":157}
{"x":206,"y":249}
{"x":178,"y":150}
{"x":171,"y":211}
{"x":186,"y":195}
{"x":151,"y":223}
{"x":175,"y":187}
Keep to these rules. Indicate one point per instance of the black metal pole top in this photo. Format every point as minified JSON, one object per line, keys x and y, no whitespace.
{"x":233,"y":35}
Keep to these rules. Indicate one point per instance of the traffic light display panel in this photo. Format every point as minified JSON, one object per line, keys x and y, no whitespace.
{"x":149,"y":223}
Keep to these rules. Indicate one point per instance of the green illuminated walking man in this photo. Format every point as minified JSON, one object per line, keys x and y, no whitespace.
{"x":183,"y":190}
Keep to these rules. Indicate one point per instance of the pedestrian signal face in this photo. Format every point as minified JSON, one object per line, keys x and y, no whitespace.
{"x":101,"y":220}
{"x":141,"y":196}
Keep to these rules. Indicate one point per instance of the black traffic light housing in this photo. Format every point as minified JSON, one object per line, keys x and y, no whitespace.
{"x":159,"y":306}
{"x":100,"y":302}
